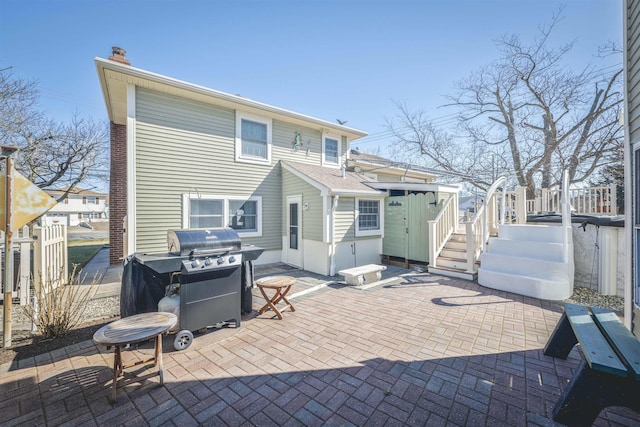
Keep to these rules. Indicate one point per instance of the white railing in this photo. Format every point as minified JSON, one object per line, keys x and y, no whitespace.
{"x":486,"y":220}
{"x":516,"y":206}
{"x":567,"y":235}
{"x":587,"y":201}
{"x":50,"y":256}
{"x":492,"y":218}
{"x":441,"y":228}
{"x":473,"y":234}
{"x":22,"y":271}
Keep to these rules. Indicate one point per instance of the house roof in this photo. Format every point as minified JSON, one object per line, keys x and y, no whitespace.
{"x":416,"y":186}
{"x":76,"y":192}
{"x":115,"y":79}
{"x":330,"y":181}
{"x":377,"y":163}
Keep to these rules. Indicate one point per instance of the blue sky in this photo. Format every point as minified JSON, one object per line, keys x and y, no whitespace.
{"x":329,"y":59}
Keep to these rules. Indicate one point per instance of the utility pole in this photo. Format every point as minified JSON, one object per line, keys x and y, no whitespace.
{"x":7,"y":153}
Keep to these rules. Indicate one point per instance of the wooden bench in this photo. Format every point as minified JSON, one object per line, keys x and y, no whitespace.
{"x":610,"y":372}
{"x":364,"y":274}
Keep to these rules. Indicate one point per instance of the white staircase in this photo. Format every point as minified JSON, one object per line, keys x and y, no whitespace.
{"x":529,"y":260}
{"x":452,"y":260}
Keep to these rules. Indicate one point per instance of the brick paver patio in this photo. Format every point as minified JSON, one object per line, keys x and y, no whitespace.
{"x":424,"y":350}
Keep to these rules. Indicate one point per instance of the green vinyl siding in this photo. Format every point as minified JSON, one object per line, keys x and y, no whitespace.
{"x":312,"y":218}
{"x":186,"y":147}
{"x":633,"y":70}
{"x":387,"y":177}
{"x":284,"y":135}
{"x":345,"y":216}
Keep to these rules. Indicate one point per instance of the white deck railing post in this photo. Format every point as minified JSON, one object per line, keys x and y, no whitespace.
{"x":613,"y":199}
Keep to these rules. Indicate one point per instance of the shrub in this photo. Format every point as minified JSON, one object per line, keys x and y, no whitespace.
{"x":58,"y":305}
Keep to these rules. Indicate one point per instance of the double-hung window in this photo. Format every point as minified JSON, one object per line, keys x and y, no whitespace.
{"x":331,"y":151}
{"x":244,"y":214}
{"x":253,"y":139}
{"x":206,"y":213}
{"x":368,"y":218}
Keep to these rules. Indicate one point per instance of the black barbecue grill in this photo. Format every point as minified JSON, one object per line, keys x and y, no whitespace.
{"x":215,"y":275}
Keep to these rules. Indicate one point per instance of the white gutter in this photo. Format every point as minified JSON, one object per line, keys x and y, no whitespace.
{"x":332,"y":230}
{"x":239,"y":100}
{"x":628,"y":188}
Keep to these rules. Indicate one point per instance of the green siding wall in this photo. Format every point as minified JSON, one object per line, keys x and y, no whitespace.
{"x":284,"y":135}
{"x":386,"y":177}
{"x":312,"y":217}
{"x":633,"y":69}
{"x":185,"y":146}
{"x":345,"y":227}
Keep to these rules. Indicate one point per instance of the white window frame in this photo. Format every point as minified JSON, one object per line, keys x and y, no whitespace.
{"x":380,"y":230}
{"x":324,"y":145}
{"x":238,"y":139}
{"x":186,"y":210}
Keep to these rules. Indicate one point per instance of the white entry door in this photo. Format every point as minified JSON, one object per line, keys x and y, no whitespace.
{"x":293,"y":240}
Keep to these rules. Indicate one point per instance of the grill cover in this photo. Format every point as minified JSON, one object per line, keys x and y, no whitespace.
{"x":202,"y":241}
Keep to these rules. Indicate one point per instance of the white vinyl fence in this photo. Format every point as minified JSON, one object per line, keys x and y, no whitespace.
{"x":49,"y":258}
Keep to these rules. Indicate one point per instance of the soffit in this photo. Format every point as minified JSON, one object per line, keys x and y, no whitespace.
{"x":115,"y":78}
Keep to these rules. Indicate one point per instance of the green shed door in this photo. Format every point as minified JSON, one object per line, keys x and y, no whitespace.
{"x":418,"y":215}
{"x":395,"y":227}
{"x":406,"y":228}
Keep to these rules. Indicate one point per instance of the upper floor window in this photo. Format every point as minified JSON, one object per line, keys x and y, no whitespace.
{"x":331,"y":151}
{"x":253,"y":138}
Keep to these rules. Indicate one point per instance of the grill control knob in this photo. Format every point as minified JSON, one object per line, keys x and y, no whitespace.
{"x":220,"y":260}
{"x":195,"y":263}
{"x":207,"y":261}
{"x":232,"y":259}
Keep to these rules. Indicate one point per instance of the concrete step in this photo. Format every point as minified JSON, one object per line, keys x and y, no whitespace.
{"x":526,"y":249}
{"x":553,"y":290}
{"x":531,"y":233}
{"x":543,"y":269}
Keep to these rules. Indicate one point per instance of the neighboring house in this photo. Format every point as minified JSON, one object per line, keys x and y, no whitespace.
{"x":185,"y":156}
{"x":384,"y":170}
{"x":79,"y":206}
{"x":631,"y":25}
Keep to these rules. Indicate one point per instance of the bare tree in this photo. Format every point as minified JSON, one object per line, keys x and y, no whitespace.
{"x":525,"y":115}
{"x":51,"y":154}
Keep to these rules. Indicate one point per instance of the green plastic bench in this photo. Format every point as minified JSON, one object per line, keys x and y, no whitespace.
{"x":610,"y":372}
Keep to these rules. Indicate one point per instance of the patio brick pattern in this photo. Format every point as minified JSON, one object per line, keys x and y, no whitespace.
{"x":424,"y":350}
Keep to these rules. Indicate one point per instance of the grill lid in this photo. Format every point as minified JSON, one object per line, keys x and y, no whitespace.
{"x":202,"y":241}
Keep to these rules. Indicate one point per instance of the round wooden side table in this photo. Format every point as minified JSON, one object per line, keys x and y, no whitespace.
{"x":281,"y":285}
{"x":131,"y":330}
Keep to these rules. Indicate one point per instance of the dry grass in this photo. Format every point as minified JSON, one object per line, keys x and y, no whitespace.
{"x":58,"y":305}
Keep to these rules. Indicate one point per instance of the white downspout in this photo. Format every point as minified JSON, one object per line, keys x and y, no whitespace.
{"x":630,"y":257}
{"x":332,"y":237}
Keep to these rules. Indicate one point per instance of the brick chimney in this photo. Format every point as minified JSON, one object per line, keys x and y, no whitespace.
{"x":119,"y":55}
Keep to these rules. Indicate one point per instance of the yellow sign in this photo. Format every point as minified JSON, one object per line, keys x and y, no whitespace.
{"x":29,"y":201}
